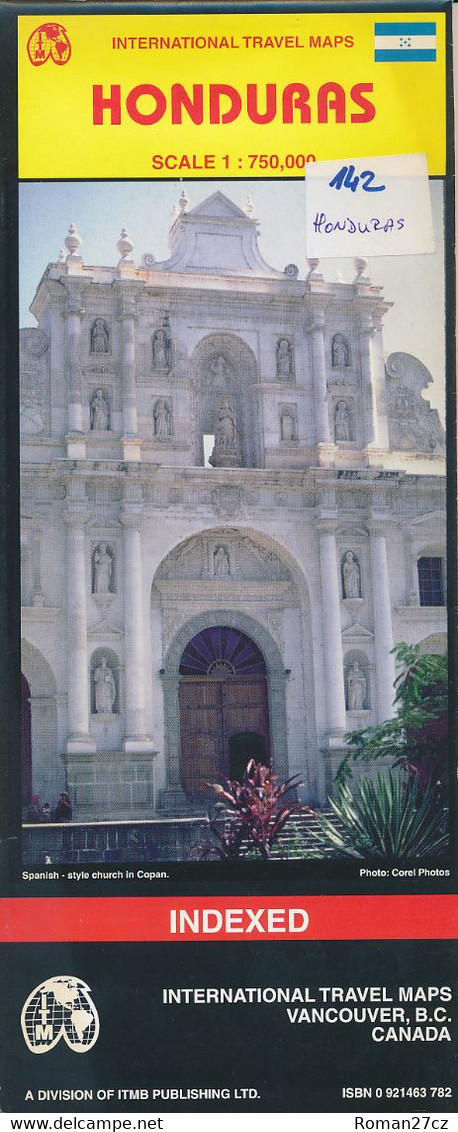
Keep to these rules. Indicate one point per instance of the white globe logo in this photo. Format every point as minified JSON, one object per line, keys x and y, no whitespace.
{"x":61,"y":1007}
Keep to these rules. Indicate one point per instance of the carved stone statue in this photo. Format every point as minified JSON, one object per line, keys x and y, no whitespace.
{"x":356,"y":687}
{"x":288,"y":423}
{"x":351,"y":575}
{"x":339,"y":351}
{"x":162,"y":420}
{"x":226,"y":429}
{"x":161,"y":350}
{"x":221,"y":563}
{"x":284,"y":358}
{"x":103,"y":569}
{"x":105,"y":688}
{"x":100,"y":413}
{"x":226,"y":450}
{"x":100,"y":338}
{"x":343,"y":429}
{"x":218,"y":372}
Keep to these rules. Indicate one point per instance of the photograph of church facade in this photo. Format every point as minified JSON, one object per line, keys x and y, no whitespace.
{"x":233,"y":506}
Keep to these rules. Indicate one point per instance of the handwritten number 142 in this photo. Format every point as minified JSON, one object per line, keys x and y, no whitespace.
{"x":346,"y":178}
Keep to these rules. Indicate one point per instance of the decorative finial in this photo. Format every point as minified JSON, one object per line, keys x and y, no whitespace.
{"x":73,"y":242}
{"x":125,"y":246}
{"x":313,"y":264}
{"x":249,"y":206}
{"x":183,"y":202}
{"x":360,"y":267}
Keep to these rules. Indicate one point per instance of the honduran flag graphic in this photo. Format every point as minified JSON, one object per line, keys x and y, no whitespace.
{"x":405,"y":42}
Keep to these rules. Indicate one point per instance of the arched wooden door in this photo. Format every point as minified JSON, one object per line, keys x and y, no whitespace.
{"x":224,"y":713}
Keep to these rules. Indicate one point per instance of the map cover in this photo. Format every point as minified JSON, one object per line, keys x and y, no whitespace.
{"x":228,"y":816}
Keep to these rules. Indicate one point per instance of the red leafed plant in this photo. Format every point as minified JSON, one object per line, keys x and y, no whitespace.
{"x":254,"y":810}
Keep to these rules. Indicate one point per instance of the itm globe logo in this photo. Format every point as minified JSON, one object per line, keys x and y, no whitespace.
{"x":49,"y":41}
{"x":61,"y":1007}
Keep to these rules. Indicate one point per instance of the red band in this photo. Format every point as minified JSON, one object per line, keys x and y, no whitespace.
{"x":84,"y":919}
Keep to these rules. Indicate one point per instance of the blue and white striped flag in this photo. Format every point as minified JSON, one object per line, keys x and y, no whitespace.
{"x":405,"y":42}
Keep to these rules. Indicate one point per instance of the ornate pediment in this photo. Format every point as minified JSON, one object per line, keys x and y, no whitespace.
{"x":223,"y":556}
{"x":218,"y":238}
{"x":356,"y":633}
{"x":104,"y":628}
{"x":218,"y":206}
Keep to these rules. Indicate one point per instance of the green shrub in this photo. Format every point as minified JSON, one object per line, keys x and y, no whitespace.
{"x":386,"y":817}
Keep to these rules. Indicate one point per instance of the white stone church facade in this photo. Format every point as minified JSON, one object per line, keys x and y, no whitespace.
{"x":232,"y":508}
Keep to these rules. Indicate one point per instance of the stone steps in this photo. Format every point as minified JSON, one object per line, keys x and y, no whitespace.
{"x":302,"y":838}
{"x":155,"y":840}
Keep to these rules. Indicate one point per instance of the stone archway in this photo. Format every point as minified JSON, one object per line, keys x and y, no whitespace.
{"x":44,"y":774}
{"x":267,"y":713}
{"x":435,"y":644}
{"x":224,"y":711}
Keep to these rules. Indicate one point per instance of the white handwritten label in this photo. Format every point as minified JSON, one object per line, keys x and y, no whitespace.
{"x":368,"y":206}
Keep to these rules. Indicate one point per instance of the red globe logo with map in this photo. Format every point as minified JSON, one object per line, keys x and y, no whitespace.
{"x":49,"y":41}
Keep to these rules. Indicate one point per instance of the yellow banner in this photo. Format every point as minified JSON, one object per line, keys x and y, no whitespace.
{"x":235,"y":95}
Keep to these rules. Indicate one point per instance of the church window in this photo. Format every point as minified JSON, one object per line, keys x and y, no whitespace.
{"x":224,"y":651}
{"x":431,"y":581}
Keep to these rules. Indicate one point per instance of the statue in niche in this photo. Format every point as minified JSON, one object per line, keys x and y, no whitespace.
{"x":218,"y":372}
{"x":339,"y":351}
{"x":162,"y":420}
{"x":100,"y":338}
{"x":284,"y":358}
{"x":103,"y":569}
{"x":288,"y":423}
{"x":351,"y":575}
{"x":161,"y":349}
{"x":356,"y":687}
{"x":343,"y":429}
{"x":100,"y":413}
{"x":221,"y":563}
{"x":226,"y":451}
{"x":104,"y":687}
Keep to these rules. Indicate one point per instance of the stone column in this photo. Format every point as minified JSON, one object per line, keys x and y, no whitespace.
{"x":320,"y":389}
{"x":383,"y":632}
{"x":370,"y":423}
{"x":38,"y":596}
{"x":332,"y":632}
{"x":411,"y":571}
{"x":73,"y":316}
{"x":135,"y":738}
{"x":127,"y":316}
{"x":78,"y":677}
{"x":379,"y":384}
